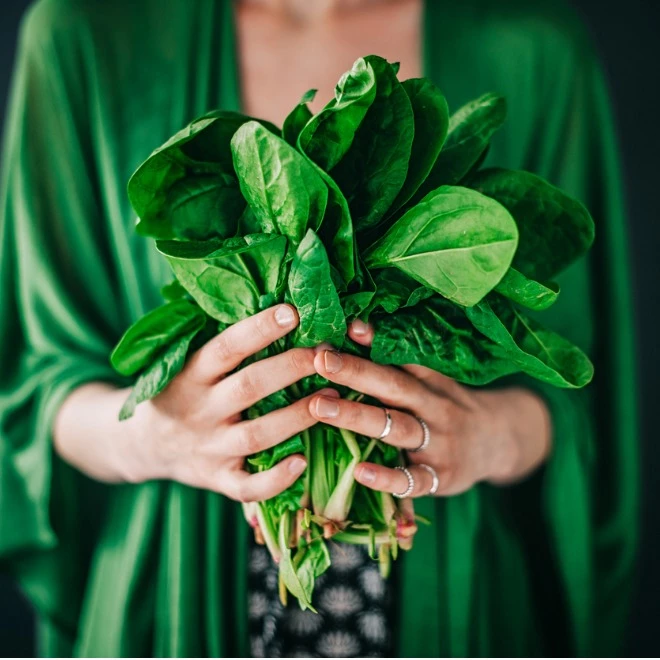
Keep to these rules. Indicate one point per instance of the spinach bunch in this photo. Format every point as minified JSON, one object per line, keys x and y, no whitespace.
{"x":375,"y":208}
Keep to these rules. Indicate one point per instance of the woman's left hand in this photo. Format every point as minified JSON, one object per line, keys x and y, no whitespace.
{"x":475,"y":434}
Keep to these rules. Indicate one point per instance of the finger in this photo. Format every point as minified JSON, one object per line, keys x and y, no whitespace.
{"x":438,"y":382}
{"x":246,"y":487}
{"x":392,"y":386}
{"x":225,"y":352}
{"x":390,"y":480}
{"x":255,"y":435}
{"x":244,"y":388}
{"x":361,"y":333}
{"x":406,"y":431}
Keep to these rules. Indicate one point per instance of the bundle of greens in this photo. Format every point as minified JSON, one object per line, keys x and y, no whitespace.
{"x":375,"y":208}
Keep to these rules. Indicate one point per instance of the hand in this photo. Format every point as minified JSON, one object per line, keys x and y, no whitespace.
{"x":476,"y":435}
{"x":193,"y":433}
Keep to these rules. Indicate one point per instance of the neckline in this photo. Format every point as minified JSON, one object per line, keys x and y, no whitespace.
{"x":231,"y":93}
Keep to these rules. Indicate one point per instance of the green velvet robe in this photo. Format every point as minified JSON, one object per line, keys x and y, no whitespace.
{"x":159,"y":568}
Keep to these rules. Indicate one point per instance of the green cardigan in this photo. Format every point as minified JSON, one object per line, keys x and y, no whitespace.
{"x":542,"y":568}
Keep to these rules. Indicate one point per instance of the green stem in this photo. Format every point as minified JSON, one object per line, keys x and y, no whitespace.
{"x":341,"y":499}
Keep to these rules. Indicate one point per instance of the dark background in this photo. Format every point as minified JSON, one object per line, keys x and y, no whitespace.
{"x":627,"y":34}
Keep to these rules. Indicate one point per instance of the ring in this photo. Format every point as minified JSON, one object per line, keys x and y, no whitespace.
{"x":427,"y":436}
{"x":434,"y":475}
{"x":388,"y":425}
{"x":411,"y":483}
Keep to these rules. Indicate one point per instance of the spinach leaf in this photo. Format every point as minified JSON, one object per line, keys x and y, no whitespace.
{"x":455,"y":241}
{"x":524,"y":342}
{"x":228,"y":278}
{"x":431,"y":120}
{"x":470,"y":130}
{"x":528,"y":293}
{"x":395,"y":289}
{"x":288,"y":572}
{"x":374,"y":169}
{"x":311,"y":561}
{"x":267,"y":458}
{"x":437,"y":334}
{"x":360,"y":293}
{"x":328,"y":135}
{"x":148,"y":336}
{"x":312,"y":292}
{"x":298,"y":118}
{"x":200,"y":148}
{"x":554,"y":228}
{"x":173,"y":291}
{"x":205,"y":206}
{"x":336,"y":230}
{"x":284,"y":191}
{"x":159,"y":374}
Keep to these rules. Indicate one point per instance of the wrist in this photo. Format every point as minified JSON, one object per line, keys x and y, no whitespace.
{"x":520,"y":421}
{"x":135,"y":455}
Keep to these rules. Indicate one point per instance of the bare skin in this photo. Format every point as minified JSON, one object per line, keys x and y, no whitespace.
{"x":193,"y":432}
{"x":318,"y":48}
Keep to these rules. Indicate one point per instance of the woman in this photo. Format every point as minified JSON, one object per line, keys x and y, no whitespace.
{"x":127,"y":537}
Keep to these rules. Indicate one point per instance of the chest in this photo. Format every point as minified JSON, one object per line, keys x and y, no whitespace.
{"x":279,"y":59}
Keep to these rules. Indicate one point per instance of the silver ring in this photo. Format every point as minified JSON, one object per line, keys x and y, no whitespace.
{"x":427,"y":436}
{"x":434,"y":475}
{"x":388,"y":425}
{"x":411,"y":483}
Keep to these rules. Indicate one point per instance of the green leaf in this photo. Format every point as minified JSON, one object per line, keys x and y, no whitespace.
{"x":228,"y":278}
{"x":437,"y":335}
{"x":555,"y":229}
{"x":173,"y":291}
{"x":526,"y":292}
{"x":336,"y":230}
{"x":455,"y":241}
{"x":284,"y":191}
{"x":312,"y":292}
{"x":298,"y":118}
{"x":431,"y":120}
{"x":535,"y":350}
{"x":374,"y":169}
{"x":470,"y":130}
{"x":310,"y":562}
{"x":287,"y":571}
{"x":159,"y":374}
{"x":205,"y":206}
{"x":328,"y":135}
{"x":267,"y":458}
{"x":395,"y":289}
{"x":202,"y":147}
{"x":149,"y":335}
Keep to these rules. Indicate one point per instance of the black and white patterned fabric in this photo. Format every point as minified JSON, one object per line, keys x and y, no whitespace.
{"x":355,"y":608}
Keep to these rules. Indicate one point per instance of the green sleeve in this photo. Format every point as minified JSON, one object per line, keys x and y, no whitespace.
{"x":55,"y":334}
{"x":590,"y":485}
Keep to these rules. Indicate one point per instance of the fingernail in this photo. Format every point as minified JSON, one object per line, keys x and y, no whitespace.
{"x":326,"y":407}
{"x":332,"y":361}
{"x":284,"y":316}
{"x":297,"y":465}
{"x":328,"y":392}
{"x":323,"y":347}
{"x":360,"y":328}
{"x":366,"y":475}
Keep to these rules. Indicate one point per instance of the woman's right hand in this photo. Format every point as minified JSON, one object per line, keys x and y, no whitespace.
{"x":192,"y":432}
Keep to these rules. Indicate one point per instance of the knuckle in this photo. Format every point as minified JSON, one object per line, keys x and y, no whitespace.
{"x":265,"y":326}
{"x":225,"y":348}
{"x":301,"y":360}
{"x":243,"y":492}
{"x":250,"y":441}
{"x":246,"y":385}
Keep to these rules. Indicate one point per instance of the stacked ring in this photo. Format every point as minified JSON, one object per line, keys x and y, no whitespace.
{"x":436,"y":482}
{"x":426,"y":436}
{"x":411,"y":483}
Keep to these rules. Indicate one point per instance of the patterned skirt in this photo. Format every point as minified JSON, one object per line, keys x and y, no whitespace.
{"x":354,"y":602}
